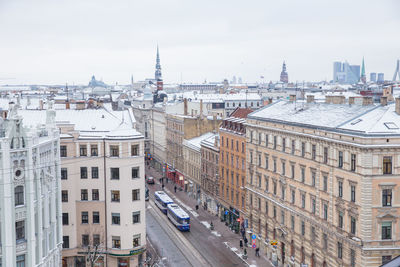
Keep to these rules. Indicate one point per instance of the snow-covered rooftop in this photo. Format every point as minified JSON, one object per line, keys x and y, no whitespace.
{"x":195,"y":142}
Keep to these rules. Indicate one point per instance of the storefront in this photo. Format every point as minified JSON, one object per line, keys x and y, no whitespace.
{"x":175,"y":176}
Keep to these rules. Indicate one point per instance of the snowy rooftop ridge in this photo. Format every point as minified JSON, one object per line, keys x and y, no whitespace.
{"x":195,"y":142}
{"x":356,"y":119}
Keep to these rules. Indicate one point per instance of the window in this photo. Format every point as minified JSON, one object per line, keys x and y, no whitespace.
{"x":352,"y":258}
{"x":386,"y":259}
{"x":64,"y":173}
{"x":259,"y":140}
{"x":274,"y":212}
{"x":65,"y":241}
{"x":303,"y":174}
{"x":339,"y":250}
{"x":266,"y":161}
{"x":283,"y":168}
{"x":340,"y":189}
{"x":135,"y":172}
{"x":135,"y":194}
{"x":353,"y":225}
{"x":134,"y":150}
{"x":387,"y":165}
{"x":85,"y":240}
{"x":84,"y":173}
{"x":243,"y":150}
{"x":274,"y":186}
{"x":282,"y":217}
{"x":136,"y":240}
{"x":115,"y":196}
{"x":340,"y":222}
{"x":303,"y":149}
{"x":114,"y":151}
{"x":266,"y":140}
{"x":340,"y":159}
{"x":95,"y":172}
{"x":387,"y":197}
{"x":325,"y":183}
{"x":237,"y":145}
{"x":95,"y":194}
{"x":313,"y":178}
{"x":115,"y":218}
{"x":65,"y":220}
{"x":275,"y":141}
{"x":353,"y":162}
{"x":94,"y":150}
{"x":19,"y":195}
{"x":259,"y":160}
{"x":84,"y":217}
{"x":83,"y":150}
{"x":325,"y":241}
{"x":292,"y":221}
{"x":283,"y":144}
{"x":96,"y":240}
{"x":266,"y":207}
{"x":353,"y":193}
{"x":96,"y":217}
{"x":325,"y":212}
{"x":63,"y":151}
{"x":84,"y":194}
{"x":386,"y":230}
{"x":312,"y":233}
{"x":274,"y":165}
{"x":303,"y":228}
{"x":293,"y":196}
{"x":21,"y":261}
{"x":283,"y":191}
{"x":325,"y":155}
{"x":266,"y":184}
{"x":64,"y":195}
{"x":114,"y":173}
{"x":303,"y":201}
{"x":136,"y":217}
{"x":313,"y":205}
{"x":293,"y":146}
{"x":313,"y":152}
{"x":116,"y":242}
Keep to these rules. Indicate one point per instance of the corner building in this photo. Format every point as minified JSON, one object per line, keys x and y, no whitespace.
{"x":322,"y":182}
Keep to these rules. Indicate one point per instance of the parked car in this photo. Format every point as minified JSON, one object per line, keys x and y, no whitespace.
{"x":150,"y":180}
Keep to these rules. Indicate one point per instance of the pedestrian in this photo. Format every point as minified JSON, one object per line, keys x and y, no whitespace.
{"x":162,"y":186}
{"x":257,"y":251}
{"x":175,"y":188}
{"x":197,"y":206}
{"x":245,"y":241}
{"x":241,"y":243}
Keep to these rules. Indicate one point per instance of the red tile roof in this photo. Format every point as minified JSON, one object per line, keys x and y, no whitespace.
{"x":241,"y":113}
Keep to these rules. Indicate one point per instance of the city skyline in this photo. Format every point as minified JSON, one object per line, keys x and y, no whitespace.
{"x":71,"y":41}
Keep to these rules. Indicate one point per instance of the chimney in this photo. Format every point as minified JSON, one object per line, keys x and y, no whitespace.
{"x":201,"y":108}
{"x":185,"y":107}
{"x":367,"y":100}
{"x":67,"y":105}
{"x":384,"y":100}
{"x":292,"y":98}
{"x":270,"y":100}
{"x":398,"y":105}
{"x":41,"y":104}
{"x":351,"y":100}
{"x":328,"y":99}
{"x":310,"y":98}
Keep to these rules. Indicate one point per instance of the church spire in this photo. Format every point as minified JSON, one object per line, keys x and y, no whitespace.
{"x":363,"y":76}
{"x":284,"y":75}
{"x":158,"y":75}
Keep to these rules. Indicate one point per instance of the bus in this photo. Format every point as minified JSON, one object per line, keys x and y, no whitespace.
{"x":178,"y":217}
{"x":162,"y":200}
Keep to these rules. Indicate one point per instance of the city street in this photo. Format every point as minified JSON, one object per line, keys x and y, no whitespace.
{"x":200,"y":246}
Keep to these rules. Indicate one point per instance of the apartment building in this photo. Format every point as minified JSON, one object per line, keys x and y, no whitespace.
{"x":179,"y":128}
{"x":232,"y":166}
{"x":158,"y":142}
{"x":103,"y":189}
{"x":322,"y":182}
{"x":209,"y":172}
{"x":30,"y":187}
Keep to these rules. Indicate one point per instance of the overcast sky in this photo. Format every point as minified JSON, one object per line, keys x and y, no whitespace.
{"x":53,"y":42}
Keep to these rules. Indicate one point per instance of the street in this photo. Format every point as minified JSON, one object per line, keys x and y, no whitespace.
{"x":199,"y":247}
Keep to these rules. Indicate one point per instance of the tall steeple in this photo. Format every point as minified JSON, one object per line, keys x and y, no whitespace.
{"x":284,"y":74}
{"x":158,"y":75}
{"x":363,"y":77}
{"x":397,"y":71}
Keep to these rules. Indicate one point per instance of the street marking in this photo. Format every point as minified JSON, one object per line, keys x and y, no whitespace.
{"x":216,"y":233}
{"x":206,"y":224}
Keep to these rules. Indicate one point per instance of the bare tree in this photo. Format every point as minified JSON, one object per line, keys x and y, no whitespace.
{"x":93,"y":245}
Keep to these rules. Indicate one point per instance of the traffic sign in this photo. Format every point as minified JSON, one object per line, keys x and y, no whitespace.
{"x":254,"y":236}
{"x":226,"y":212}
{"x":253,"y":246}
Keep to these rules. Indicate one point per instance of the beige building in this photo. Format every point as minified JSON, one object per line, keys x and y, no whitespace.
{"x":103,"y":189}
{"x":322,"y":182}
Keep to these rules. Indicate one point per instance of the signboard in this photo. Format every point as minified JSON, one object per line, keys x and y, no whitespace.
{"x":274,"y":242}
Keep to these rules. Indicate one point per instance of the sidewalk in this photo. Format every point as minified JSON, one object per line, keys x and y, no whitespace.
{"x":228,"y":237}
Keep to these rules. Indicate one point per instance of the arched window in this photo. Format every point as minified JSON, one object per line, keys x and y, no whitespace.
{"x":19,"y":195}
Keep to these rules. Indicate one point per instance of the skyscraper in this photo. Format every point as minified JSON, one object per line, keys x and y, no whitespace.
{"x":381,"y":78}
{"x":284,"y":74}
{"x":372,"y":76}
{"x":397,"y":71}
{"x":346,"y":73}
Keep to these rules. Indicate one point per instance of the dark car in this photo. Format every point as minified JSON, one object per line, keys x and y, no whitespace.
{"x":150,"y":180}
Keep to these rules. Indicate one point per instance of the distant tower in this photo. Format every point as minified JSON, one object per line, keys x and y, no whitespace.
{"x":363,"y":78}
{"x":397,"y":71}
{"x":381,"y":78}
{"x":372,"y":77}
{"x":157,"y":74}
{"x":284,"y":74}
